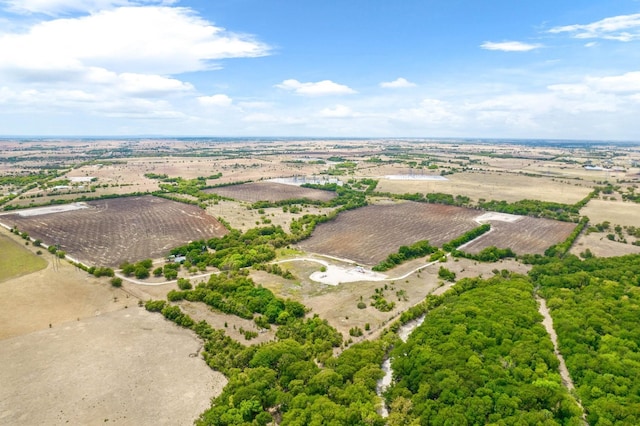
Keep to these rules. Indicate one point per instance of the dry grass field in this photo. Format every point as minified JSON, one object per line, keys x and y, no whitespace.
{"x":112,"y":231}
{"x":601,"y":246}
{"x":616,"y":212}
{"x":493,"y":186}
{"x":128,"y":367}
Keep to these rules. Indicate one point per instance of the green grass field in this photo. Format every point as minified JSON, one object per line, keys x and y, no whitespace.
{"x":16,"y":260}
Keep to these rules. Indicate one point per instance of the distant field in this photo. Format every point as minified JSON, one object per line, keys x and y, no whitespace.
{"x":16,"y":260}
{"x":112,"y":231}
{"x":271,"y":191}
{"x":616,"y":212}
{"x":493,"y":186}
{"x":367,"y":235}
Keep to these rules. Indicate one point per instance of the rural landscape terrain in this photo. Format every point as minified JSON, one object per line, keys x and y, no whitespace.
{"x":319,"y":281}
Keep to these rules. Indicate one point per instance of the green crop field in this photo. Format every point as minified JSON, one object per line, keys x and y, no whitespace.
{"x":16,"y":260}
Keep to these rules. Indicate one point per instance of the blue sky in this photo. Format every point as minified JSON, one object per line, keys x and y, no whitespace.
{"x":356,"y":68}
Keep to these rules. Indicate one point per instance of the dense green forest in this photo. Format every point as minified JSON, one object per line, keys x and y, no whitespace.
{"x":481,"y":356}
{"x":295,"y":379}
{"x":595,"y":306}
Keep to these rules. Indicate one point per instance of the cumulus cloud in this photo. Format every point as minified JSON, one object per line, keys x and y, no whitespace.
{"x":115,"y":59}
{"x":158,"y":40}
{"x":339,"y":111}
{"x":398,"y":83}
{"x":510,"y":46}
{"x":620,"y":28}
{"x":219,"y":100}
{"x":320,"y":88}
{"x":61,"y":7}
{"x":625,"y":83}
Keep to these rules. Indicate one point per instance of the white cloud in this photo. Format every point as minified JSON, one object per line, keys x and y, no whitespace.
{"x":255,"y":104}
{"x":398,"y":83}
{"x":61,"y":7}
{"x":219,"y":100}
{"x":429,"y":112}
{"x":510,"y":46}
{"x":339,"y":111}
{"x":320,"y":88}
{"x":625,"y":83}
{"x":153,"y":40}
{"x":621,"y":28}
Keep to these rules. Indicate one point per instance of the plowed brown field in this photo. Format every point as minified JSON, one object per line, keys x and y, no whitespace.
{"x":270,"y":191}
{"x":367,"y":235}
{"x":527,"y":235}
{"x":112,"y":231}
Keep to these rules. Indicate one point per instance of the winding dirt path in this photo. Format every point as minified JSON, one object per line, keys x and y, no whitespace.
{"x":562,"y":368}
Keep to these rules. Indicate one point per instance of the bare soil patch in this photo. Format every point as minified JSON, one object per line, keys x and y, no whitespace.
{"x":368,"y":234}
{"x":271,"y":191}
{"x":130,"y":367}
{"x":526,"y":235}
{"x":112,"y":231}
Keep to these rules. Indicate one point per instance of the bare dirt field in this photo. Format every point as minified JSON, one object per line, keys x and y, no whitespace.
{"x":112,"y":231}
{"x":128,"y":367}
{"x":493,"y":186}
{"x":526,"y":235}
{"x":271,"y":191}
{"x":368,"y":234}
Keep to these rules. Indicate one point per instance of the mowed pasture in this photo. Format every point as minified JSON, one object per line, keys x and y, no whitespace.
{"x":368,"y":234}
{"x":17,"y":260}
{"x":112,"y":231}
{"x":271,"y":191}
{"x":525,"y":235}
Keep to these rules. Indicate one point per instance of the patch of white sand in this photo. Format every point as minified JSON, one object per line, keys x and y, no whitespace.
{"x":335,"y":275}
{"x":51,"y":209}
{"x":502,"y":217}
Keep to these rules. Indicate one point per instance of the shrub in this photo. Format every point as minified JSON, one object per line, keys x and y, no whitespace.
{"x":116,"y":282}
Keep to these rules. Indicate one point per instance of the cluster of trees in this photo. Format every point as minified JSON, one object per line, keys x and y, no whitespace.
{"x":466,"y":237}
{"x":276,"y":270}
{"x":535,"y":208}
{"x":595,"y":305}
{"x":139,"y":269}
{"x":414,"y":251}
{"x":487,"y":254}
{"x":480,"y":357}
{"x":238,"y":295}
{"x":296,"y":379}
